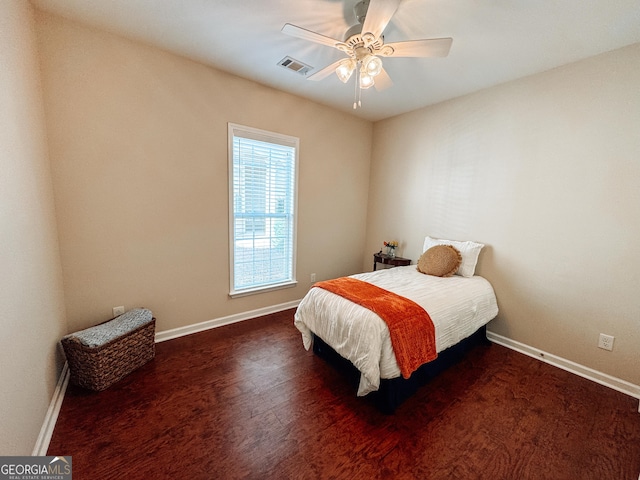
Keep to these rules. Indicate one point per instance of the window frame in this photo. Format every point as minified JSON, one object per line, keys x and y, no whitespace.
{"x":236,"y":130}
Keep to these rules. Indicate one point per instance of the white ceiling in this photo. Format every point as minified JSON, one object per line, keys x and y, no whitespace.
{"x":494,"y":41}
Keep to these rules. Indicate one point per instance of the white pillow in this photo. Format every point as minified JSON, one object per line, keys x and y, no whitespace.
{"x":469,"y":251}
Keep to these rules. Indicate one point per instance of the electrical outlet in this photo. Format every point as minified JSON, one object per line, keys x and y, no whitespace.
{"x":606,"y":342}
{"x":118,"y":311}
{"x":312,"y":277}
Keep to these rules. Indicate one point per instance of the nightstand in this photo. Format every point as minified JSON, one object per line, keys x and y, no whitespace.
{"x":387,"y":260}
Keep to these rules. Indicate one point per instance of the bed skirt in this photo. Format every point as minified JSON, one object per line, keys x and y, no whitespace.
{"x":394,"y":391}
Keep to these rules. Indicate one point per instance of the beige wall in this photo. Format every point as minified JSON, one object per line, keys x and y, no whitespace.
{"x":138,"y":144}
{"x":546,"y":172}
{"x":32,"y":313}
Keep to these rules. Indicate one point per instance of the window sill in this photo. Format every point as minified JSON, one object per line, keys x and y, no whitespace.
{"x":253,"y":291}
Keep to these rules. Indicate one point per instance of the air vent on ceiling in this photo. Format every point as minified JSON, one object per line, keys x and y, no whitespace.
{"x":295,"y":65}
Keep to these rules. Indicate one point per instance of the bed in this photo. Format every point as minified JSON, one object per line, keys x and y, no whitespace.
{"x":352,"y":337}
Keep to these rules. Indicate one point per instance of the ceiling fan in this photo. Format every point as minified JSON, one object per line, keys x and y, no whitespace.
{"x":364,"y":45}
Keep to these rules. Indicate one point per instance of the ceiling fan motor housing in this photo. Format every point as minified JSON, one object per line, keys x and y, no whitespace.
{"x":354,"y":39}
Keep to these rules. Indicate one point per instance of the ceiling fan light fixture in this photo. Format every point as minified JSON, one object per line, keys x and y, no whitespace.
{"x":366,"y":80}
{"x":372,"y":65}
{"x":345,"y":69}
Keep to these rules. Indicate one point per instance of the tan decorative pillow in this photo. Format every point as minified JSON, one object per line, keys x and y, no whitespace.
{"x":440,"y":261}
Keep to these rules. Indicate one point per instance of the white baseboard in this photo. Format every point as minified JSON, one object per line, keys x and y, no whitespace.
{"x":580,"y":370}
{"x":46,"y":432}
{"x":219,"y":322}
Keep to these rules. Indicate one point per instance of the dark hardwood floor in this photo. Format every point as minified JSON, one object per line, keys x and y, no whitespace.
{"x":247,"y":401}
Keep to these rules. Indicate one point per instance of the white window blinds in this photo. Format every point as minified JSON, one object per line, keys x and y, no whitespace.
{"x":262,"y":209}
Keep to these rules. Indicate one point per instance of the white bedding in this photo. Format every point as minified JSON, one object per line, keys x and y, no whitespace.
{"x":457,"y":305}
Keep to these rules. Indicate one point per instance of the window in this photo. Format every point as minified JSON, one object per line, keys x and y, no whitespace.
{"x":262,"y":209}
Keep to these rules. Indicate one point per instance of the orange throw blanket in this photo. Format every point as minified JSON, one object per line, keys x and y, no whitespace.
{"x":411,"y":329}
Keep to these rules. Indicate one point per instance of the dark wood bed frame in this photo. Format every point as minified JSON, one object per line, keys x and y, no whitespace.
{"x":394,"y":391}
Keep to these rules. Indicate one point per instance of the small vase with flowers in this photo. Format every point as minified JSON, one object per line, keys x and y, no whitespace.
{"x":391,"y":248}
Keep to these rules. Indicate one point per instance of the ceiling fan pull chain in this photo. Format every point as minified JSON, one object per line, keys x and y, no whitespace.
{"x":355,"y":89}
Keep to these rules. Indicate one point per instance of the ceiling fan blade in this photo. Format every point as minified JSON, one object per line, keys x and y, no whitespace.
{"x":305,"y":34}
{"x":325,"y":72}
{"x":433,"y":47}
{"x":378,"y":16}
{"x":382,"y":81}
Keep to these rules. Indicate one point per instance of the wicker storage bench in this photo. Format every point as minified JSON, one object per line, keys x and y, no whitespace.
{"x":100,"y":356}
